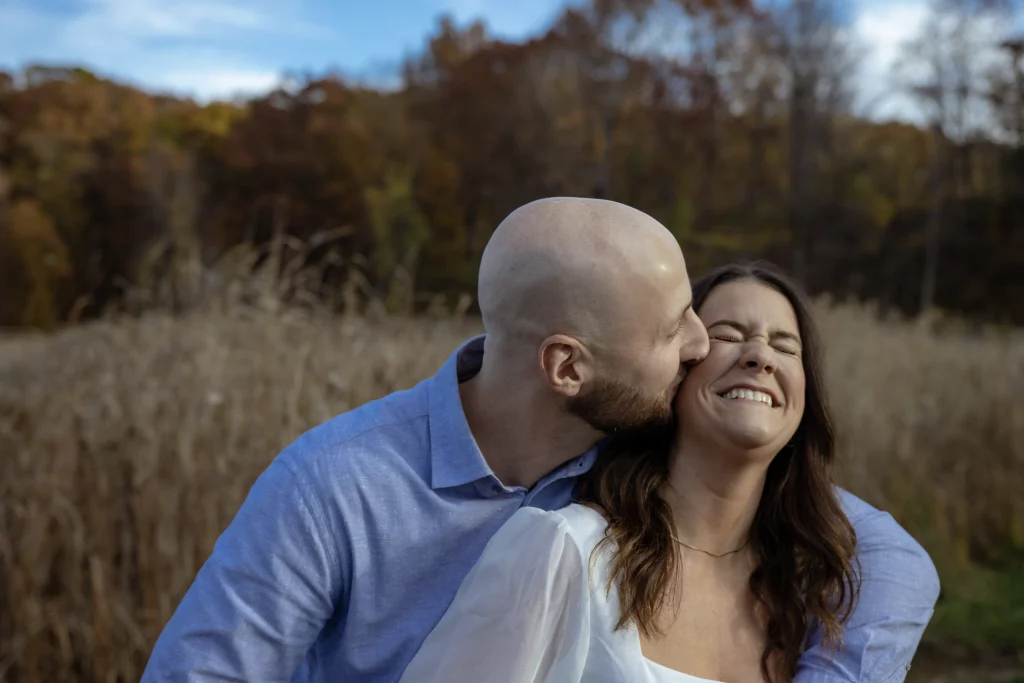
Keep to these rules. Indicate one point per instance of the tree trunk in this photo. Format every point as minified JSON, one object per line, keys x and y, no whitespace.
{"x":931,"y":252}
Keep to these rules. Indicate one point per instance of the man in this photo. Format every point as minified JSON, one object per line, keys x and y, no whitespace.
{"x":351,"y":545}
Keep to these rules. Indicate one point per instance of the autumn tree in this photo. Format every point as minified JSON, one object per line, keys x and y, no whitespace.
{"x":729,"y":121}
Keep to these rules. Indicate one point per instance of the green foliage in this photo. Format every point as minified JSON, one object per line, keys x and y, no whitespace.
{"x":980,"y":610}
{"x":400,"y":230}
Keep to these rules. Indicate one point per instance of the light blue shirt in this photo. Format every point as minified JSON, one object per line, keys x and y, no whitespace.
{"x":351,"y":545}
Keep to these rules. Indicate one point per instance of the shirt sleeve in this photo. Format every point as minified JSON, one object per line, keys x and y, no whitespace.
{"x":522,"y":614}
{"x":899,"y":589}
{"x":263,"y":596}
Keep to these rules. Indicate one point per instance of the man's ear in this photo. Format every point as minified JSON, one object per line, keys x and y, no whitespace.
{"x":566,"y":364}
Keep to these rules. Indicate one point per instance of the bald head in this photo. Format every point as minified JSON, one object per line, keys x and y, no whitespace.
{"x":589,"y":268}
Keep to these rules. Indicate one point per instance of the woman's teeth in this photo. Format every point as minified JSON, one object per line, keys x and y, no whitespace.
{"x":750,"y":396}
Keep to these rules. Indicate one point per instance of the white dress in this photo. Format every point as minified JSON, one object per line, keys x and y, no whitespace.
{"x":531,"y":612}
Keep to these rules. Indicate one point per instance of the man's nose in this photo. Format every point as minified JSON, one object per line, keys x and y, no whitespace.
{"x":696,"y":347}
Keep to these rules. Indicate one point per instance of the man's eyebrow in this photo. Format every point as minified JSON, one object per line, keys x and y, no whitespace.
{"x":776,"y":334}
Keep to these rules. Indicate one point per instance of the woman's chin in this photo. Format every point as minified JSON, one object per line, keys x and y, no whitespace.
{"x":755,"y":441}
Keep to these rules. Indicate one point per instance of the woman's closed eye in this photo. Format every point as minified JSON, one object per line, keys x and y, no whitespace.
{"x":788,"y":349}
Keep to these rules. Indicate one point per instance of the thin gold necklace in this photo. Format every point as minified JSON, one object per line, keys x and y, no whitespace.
{"x":731,"y":552}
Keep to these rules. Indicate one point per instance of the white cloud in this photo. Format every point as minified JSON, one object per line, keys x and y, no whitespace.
{"x":883,"y":28}
{"x":118,"y":28}
{"x":204,"y":48}
{"x":207,"y":84}
{"x":120,"y":21}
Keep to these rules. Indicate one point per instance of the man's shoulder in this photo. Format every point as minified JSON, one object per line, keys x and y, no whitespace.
{"x":869,"y":521}
{"x":396,"y":424}
{"x":881,"y":538}
{"x":856,"y":509}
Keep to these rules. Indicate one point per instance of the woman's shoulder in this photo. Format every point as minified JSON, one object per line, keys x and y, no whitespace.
{"x":566,"y":538}
{"x":586,"y":524}
{"x":534,"y":539}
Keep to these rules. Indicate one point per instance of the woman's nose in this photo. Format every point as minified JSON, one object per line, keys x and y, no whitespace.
{"x":758,"y":356}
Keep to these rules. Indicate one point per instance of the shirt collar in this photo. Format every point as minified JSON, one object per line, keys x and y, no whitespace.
{"x":455,"y":458}
{"x":587,"y":460}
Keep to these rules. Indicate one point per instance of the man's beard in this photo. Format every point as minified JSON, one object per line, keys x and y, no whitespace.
{"x":614,"y":407}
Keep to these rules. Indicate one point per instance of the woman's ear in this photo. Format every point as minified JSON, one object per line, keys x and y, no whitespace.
{"x":566,"y":364}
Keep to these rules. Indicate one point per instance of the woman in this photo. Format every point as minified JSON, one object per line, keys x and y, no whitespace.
{"x":703,"y":555}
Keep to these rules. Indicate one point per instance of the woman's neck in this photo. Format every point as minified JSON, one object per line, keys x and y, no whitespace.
{"x":713,"y":500}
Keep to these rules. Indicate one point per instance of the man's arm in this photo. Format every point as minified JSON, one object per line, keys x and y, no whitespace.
{"x":264,"y":595}
{"x":899,"y":588}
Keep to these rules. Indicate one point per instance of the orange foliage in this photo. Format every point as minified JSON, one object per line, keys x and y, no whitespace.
{"x":738,"y":146}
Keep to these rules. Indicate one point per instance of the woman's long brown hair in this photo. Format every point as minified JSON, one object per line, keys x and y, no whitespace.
{"x":803,"y":542}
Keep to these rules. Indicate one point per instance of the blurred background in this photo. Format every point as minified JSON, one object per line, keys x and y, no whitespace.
{"x":224,"y":222}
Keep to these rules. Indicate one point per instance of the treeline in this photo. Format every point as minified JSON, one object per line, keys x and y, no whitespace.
{"x":731,"y":124}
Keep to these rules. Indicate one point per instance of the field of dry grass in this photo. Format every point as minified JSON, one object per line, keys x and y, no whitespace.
{"x":128,"y":445}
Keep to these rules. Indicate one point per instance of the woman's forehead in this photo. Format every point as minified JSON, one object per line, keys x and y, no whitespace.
{"x":748,"y":301}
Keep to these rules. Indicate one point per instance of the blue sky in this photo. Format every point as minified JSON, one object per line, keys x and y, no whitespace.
{"x":217,"y":48}
{"x":214,"y":47}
